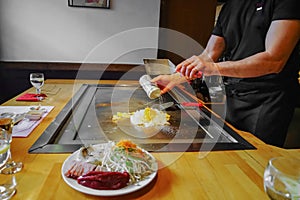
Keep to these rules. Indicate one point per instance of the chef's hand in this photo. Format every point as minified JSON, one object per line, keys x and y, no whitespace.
{"x":195,"y":67}
{"x":168,"y":82}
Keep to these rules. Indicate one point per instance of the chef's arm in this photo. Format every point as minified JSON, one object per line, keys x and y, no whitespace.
{"x":214,"y":49}
{"x":280,"y":41}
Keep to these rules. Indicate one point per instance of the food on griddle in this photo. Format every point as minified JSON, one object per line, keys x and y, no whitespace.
{"x":123,"y":157}
{"x":120,"y":116}
{"x":147,"y":117}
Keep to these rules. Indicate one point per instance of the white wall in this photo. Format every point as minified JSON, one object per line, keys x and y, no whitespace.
{"x":50,"y":31}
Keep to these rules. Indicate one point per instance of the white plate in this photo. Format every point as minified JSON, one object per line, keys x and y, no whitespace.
{"x":128,"y":189}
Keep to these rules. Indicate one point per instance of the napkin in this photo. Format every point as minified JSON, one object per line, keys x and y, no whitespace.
{"x":26,"y":125}
{"x":31,"y":97}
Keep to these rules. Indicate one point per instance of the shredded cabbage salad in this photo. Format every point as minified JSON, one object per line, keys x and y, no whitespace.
{"x":124,"y":156}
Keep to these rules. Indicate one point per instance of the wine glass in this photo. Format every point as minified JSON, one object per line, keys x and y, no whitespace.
{"x":282,"y":178}
{"x":37,"y":80}
{"x":8,"y":186}
{"x":7,"y":164}
{"x":4,"y":147}
{"x":7,"y":182}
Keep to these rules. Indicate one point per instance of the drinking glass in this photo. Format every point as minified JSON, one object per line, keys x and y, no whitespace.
{"x":9,"y":166}
{"x":282,"y":178}
{"x":4,"y":147}
{"x":8,"y":186}
{"x":37,"y":81}
{"x":6,"y":123}
{"x":7,"y":182}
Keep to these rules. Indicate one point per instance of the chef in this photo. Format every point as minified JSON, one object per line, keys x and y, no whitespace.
{"x":255,"y":48}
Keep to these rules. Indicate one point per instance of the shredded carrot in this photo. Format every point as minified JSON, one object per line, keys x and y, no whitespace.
{"x":128,"y":145}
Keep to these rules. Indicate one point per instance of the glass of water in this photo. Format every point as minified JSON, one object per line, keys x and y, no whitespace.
{"x":7,"y":164}
{"x":8,"y":186}
{"x":37,"y":81}
{"x":282,"y":178}
{"x":4,"y":147}
{"x":7,"y":182}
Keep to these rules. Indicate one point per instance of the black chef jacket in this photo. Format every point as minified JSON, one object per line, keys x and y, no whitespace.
{"x":262,"y":105}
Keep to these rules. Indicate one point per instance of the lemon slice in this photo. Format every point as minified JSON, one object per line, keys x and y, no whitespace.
{"x":4,"y":148}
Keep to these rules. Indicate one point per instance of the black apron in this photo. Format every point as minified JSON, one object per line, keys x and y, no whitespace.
{"x":264,"y":109}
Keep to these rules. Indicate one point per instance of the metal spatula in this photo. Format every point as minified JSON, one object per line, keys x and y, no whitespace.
{"x":162,"y":106}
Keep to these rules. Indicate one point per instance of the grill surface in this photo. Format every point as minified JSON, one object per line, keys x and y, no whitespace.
{"x":87,"y":119}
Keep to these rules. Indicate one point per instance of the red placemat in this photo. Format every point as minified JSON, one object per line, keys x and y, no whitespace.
{"x":31,"y":97}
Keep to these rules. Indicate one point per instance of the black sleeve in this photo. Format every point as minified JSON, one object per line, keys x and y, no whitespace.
{"x":218,"y":29}
{"x":286,"y":9}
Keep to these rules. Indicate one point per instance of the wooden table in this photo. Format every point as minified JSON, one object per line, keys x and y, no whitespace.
{"x":191,"y":175}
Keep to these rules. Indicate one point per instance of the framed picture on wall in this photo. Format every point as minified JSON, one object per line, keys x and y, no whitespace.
{"x":89,"y":3}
